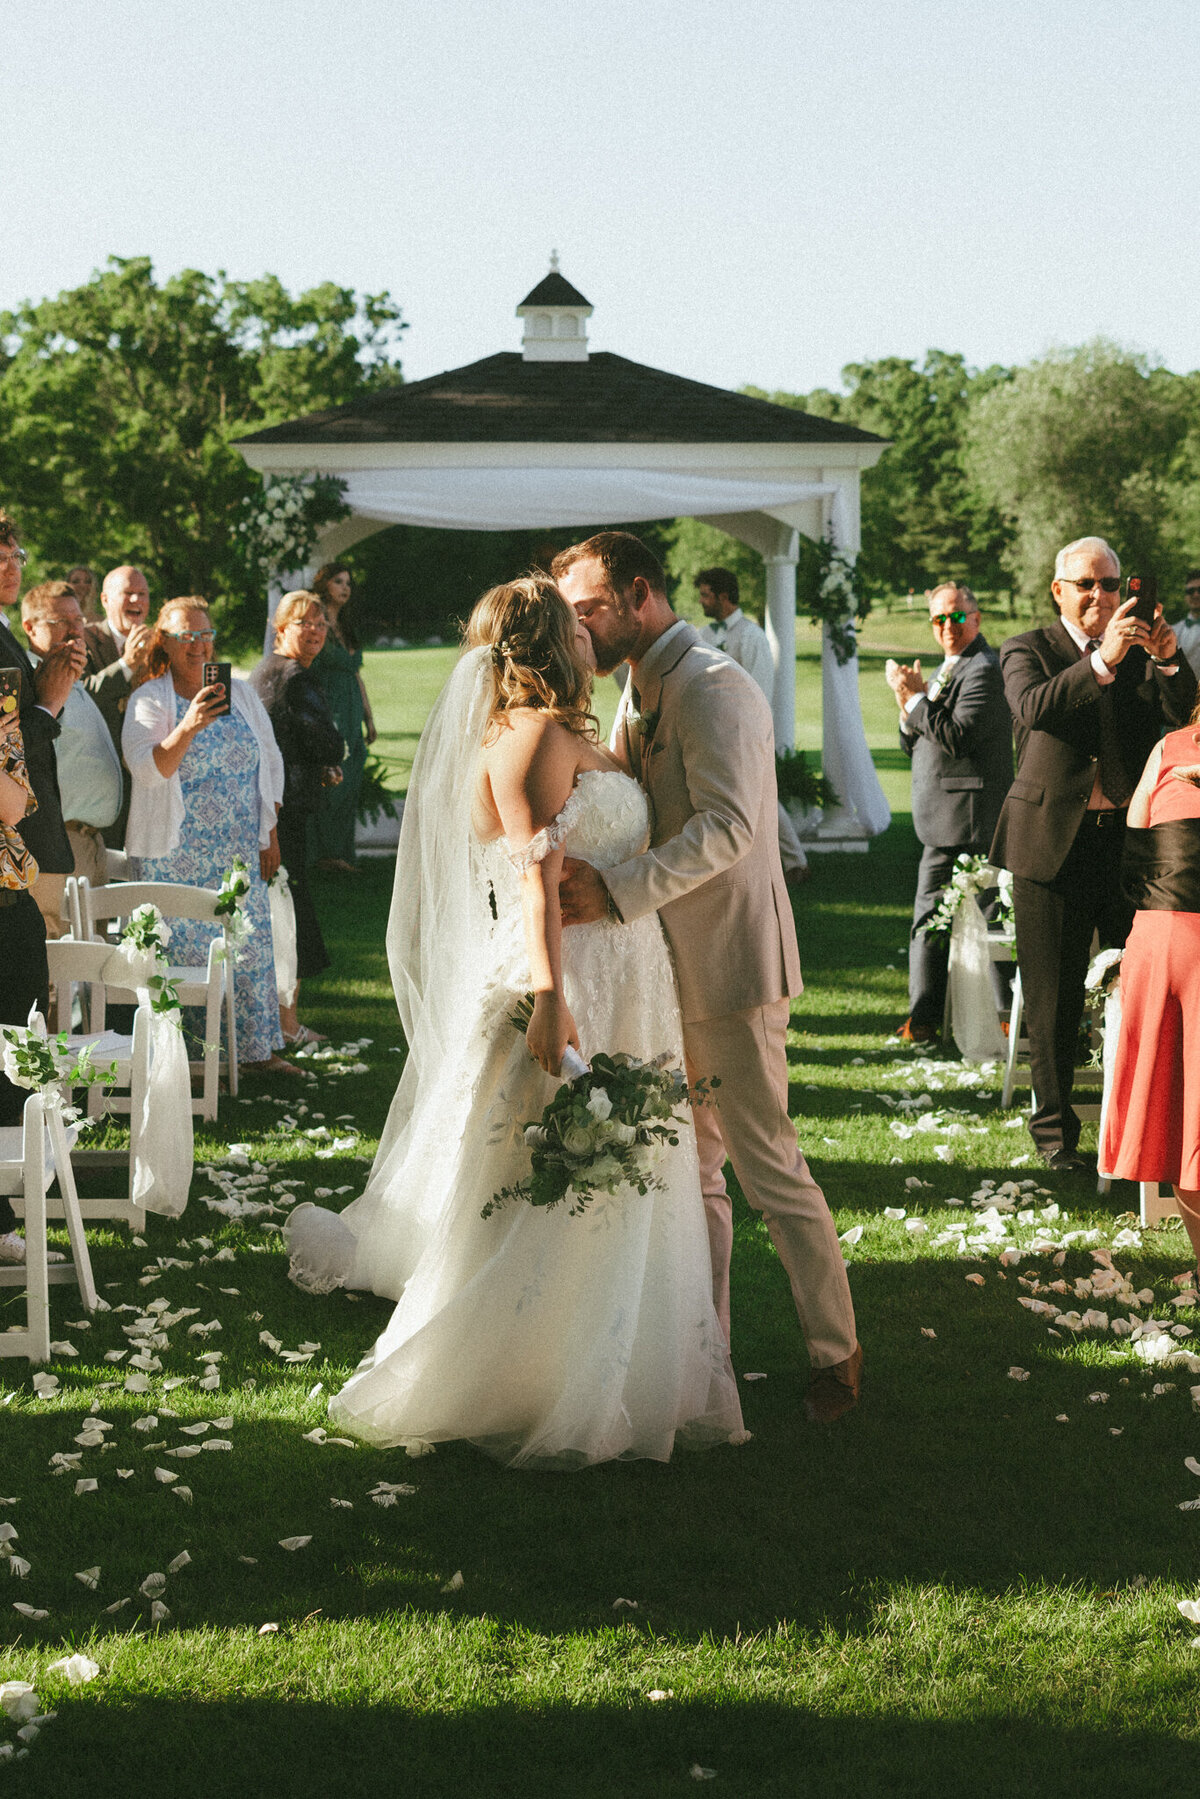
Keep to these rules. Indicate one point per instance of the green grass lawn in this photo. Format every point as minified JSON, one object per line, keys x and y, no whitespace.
{"x":967,"y":1587}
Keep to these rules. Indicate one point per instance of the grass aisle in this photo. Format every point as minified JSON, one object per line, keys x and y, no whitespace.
{"x":968,"y":1587}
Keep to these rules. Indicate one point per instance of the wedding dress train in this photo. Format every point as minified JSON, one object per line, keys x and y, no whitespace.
{"x":545,"y":1339}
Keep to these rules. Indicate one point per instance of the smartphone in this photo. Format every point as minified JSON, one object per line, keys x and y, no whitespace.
{"x":1144,"y":589}
{"x":222,"y":672}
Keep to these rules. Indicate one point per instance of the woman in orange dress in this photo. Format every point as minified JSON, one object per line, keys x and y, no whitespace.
{"x":1152,"y":1124}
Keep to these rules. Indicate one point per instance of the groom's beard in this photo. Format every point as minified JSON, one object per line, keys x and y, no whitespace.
{"x":619,"y":640}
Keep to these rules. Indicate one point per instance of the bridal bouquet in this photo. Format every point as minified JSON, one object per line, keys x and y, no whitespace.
{"x":602,"y":1131}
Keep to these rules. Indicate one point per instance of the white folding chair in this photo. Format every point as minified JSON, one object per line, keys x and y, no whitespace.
{"x":196,"y":986}
{"x":31,"y":1154}
{"x":79,"y":965}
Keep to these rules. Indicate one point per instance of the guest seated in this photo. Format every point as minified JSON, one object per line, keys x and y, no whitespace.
{"x":90,"y":777}
{"x":1152,"y":1121}
{"x":206,"y":789}
{"x":312,"y":748}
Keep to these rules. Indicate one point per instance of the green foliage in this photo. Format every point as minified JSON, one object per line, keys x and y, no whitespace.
{"x":797,"y":782}
{"x":120,"y":402}
{"x":1085,"y":442}
{"x":375,"y":796}
{"x":922,"y":520}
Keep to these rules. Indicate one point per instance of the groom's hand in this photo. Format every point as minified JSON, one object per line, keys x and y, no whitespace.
{"x":581,"y":893}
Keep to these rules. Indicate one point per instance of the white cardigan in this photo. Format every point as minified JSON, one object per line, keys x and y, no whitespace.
{"x":156,"y":802}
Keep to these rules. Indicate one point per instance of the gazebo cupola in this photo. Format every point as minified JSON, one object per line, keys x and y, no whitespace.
{"x":555,"y":315}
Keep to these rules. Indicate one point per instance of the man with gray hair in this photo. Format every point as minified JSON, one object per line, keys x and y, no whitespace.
{"x":1090,"y":695}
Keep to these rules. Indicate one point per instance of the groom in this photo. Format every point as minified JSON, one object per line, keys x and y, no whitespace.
{"x":696,"y":729}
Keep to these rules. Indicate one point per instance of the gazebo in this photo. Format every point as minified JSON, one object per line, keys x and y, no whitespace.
{"x":560,"y":435}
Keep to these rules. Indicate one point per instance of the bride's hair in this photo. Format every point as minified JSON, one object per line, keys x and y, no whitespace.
{"x":532,"y":634}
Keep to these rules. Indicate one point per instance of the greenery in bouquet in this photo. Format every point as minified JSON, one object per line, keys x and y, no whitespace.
{"x":602,"y":1131}
{"x":148,"y":933}
{"x":235,"y":885}
{"x":973,"y":876}
{"x":43,"y":1064}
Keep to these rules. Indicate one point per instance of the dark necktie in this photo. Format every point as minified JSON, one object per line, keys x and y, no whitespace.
{"x":1115,"y":783}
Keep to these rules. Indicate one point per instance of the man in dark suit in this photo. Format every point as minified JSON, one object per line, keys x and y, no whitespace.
{"x":113,"y":644}
{"x":1090,"y":696}
{"x":24,"y":978}
{"x":957,"y":731}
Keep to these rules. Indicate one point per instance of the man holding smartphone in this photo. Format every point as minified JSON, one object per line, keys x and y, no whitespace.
{"x":1090,"y":695}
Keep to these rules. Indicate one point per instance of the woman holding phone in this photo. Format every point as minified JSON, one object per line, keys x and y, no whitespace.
{"x":207,"y":784}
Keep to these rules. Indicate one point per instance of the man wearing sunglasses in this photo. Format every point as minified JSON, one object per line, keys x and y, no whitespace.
{"x":956,"y":730}
{"x":1090,"y":696}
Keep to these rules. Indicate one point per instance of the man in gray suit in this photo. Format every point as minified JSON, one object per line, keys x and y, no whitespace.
{"x":113,"y":646}
{"x":957,"y":730}
{"x":696,"y":730}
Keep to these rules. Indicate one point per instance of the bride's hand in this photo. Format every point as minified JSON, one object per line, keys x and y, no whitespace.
{"x":551,"y":1028}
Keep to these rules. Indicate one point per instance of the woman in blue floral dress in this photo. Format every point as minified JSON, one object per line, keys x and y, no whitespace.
{"x":206,"y":790}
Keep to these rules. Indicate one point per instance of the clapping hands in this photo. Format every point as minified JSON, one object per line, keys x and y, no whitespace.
{"x":905,"y":680}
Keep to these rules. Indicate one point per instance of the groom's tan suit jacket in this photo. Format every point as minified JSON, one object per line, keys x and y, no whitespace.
{"x":702,"y":742}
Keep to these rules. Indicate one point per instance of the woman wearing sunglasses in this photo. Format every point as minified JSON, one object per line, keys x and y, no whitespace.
{"x":207,"y":782}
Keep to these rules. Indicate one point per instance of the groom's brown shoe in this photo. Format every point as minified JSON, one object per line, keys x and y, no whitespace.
{"x":833,"y":1391}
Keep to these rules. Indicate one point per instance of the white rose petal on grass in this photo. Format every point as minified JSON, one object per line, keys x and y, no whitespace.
{"x":1115,"y":1430}
{"x":89,"y":1577}
{"x":1189,"y":1505}
{"x":343,"y":1504}
{"x":894,"y":1213}
{"x":165,"y":1475}
{"x":915,"y":1226}
{"x":29,"y":1611}
{"x":86,"y":1486}
{"x":926,"y":1332}
{"x":1018,"y":1374}
{"x":18,"y":1699}
{"x":217,"y":1443}
{"x":159,"y":1614}
{"x":267,"y":1630}
{"x":1190,"y":1609}
{"x":294,"y":1543}
{"x":754,"y":1377}
{"x":625,"y":1605}
{"x":118,"y":1606}
{"x":77,"y":1668}
{"x":182,"y":1560}
{"x":18,"y":1567}
{"x":698,"y":1773}
{"x":184,"y":1451}
{"x":976,"y":1280}
{"x":853,"y":1235}
{"x":153,"y":1586}
{"x":455,"y":1583}
{"x":1097,"y":1398}
{"x":184,"y":1493}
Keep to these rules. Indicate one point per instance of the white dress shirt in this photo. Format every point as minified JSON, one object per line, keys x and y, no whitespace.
{"x":746,"y":643}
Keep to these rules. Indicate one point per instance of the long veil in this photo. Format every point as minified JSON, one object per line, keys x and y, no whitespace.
{"x":444,"y":958}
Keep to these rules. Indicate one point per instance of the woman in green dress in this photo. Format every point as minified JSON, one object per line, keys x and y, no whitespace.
{"x":338,"y":670}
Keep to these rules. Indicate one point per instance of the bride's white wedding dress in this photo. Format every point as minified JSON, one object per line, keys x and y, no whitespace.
{"x":545,"y":1339}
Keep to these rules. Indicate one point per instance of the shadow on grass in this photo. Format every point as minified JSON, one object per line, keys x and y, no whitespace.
{"x":194,"y":1750}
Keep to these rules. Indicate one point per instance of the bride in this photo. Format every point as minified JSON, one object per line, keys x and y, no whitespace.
{"x":548,"y":1340}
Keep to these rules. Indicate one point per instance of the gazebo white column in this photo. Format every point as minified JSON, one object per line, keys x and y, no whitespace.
{"x":781,"y":635}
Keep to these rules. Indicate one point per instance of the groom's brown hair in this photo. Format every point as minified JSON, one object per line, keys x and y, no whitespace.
{"x":623,"y":557}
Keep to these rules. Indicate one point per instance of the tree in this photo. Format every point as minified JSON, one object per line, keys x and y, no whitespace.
{"x":922,"y":521}
{"x":1085,"y":442}
{"x":120,"y":401}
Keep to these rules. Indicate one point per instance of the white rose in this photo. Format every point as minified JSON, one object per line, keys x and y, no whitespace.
{"x":606,"y":1173}
{"x":624,"y":1134}
{"x":577,"y":1140}
{"x":599,"y":1104}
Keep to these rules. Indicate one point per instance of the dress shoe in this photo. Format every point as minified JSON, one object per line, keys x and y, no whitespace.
{"x":909,"y":1032}
{"x":1067,"y":1161}
{"x":833,"y":1391}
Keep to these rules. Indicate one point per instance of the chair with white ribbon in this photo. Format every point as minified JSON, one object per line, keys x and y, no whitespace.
{"x":33,"y":1154}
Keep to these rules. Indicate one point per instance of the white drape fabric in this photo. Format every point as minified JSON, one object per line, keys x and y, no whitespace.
{"x":846,"y":757}
{"x":974,"y":1022}
{"x":283,"y":935}
{"x":161,"y":1140}
{"x":1112,"y":1033}
{"x":510,"y":499}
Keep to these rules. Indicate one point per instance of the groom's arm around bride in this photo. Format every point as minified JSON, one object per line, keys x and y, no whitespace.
{"x":696,"y":730}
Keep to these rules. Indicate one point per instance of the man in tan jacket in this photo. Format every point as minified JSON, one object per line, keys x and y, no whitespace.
{"x":696,"y":730}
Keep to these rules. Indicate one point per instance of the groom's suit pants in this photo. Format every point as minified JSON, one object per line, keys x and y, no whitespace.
{"x":747,"y":1120}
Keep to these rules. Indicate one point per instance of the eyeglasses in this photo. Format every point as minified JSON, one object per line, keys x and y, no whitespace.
{"x":18,"y":558}
{"x":1193,"y":593}
{"x":1110,"y":583}
{"x":191,"y":636}
{"x":938,"y":619}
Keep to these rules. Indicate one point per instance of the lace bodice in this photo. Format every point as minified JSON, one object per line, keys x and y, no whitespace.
{"x":606,"y":820}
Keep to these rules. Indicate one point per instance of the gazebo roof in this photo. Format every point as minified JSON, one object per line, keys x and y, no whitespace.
{"x":554,"y":290}
{"x":604,"y":399}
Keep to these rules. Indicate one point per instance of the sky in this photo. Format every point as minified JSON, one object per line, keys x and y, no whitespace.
{"x":745,"y":192}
